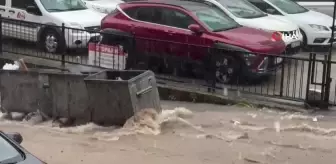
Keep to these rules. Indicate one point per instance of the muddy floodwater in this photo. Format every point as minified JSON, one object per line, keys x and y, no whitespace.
{"x":216,"y":135}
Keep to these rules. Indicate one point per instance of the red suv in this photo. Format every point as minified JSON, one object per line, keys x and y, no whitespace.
{"x":189,"y":29}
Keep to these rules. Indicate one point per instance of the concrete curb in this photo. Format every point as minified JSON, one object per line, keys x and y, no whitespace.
{"x":182,"y":94}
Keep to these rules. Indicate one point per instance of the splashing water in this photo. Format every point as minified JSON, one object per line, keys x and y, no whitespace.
{"x":146,"y":121}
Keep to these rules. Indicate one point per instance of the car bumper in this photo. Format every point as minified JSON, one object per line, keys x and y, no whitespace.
{"x":293,"y":45}
{"x":272,"y":66}
{"x":319,"y":38}
{"x":290,"y":50}
{"x":80,"y":40}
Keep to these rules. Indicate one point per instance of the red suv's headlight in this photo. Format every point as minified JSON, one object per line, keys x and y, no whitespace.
{"x":276,"y":36}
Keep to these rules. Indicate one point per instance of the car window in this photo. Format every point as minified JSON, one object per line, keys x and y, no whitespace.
{"x":63,"y":5}
{"x":8,"y":154}
{"x":242,"y":8}
{"x":3,"y":2}
{"x":130,"y":12}
{"x":288,"y":6}
{"x":214,"y":18}
{"x":20,"y":4}
{"x":149,"y":14}
{"x":265,"y":7}
{"x":177,"y":19}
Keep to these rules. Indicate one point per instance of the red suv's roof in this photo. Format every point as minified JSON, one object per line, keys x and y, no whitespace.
{"x":178,"y":3}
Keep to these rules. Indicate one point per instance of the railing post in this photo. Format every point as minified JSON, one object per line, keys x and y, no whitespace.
{"x":210,"y":75}
{"x":131,"y":56}
{"x":282,"y":74}
{"x":65,"y":47}
{"x":0,"y":34}
{"x":309,"y":75}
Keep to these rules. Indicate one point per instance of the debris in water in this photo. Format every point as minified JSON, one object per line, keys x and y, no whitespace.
{"x":9,"y":66}
{"x":16,"y":116}
{"x":233,"y":137}
{"x":244,"y":123}
{"x":251,"y":160}
{"x":6,"y":116}
{"x":253,"y":115}
{"x":35,"y":117}
{"x":277,"y":126}
{"x":62,"y":122}
{"x":315,"y":119}
{"x":235,"y":122}
{"x":298,"y":146}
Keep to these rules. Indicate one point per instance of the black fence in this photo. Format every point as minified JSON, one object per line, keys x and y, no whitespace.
{"x":217,"y":68}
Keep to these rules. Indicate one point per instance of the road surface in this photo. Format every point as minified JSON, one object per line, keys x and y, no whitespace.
{"x":270,"y":137}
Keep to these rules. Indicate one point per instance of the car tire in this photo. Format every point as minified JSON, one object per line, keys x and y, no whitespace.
{"x":52,"y":41}
{"x":228,"y":70}
{"x":304,"y":40}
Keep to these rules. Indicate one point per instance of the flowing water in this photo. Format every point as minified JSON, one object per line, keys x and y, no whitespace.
{"x":209,"y":134}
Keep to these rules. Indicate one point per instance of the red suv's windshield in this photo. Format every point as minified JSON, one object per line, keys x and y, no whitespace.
{"x":214,"y":19}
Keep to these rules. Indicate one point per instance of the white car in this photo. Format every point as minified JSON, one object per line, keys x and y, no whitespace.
{"x":28,"y":20}
{"x":315,"y":26}
{"x":248,"y":15}
{"x":103,"y":6}
{"x":323,"y":6}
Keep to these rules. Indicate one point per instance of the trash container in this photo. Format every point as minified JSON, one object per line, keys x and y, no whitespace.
{"x":22,"y":91}
{"x":115,"y":95}
{"x":69,"y":96}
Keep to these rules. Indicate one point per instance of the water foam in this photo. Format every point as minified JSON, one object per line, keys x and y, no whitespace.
{"x":147,"y":121}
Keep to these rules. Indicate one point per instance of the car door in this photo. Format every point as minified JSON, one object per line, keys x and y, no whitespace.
{"x":148,"y":30}
{"x":186,"y":44}
{"x":25,"y":25}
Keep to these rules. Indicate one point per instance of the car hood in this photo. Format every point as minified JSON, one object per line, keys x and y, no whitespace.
{"x":311,"y":17}
{"x":104,"y":6}
{"x":247,"y":36}
{"x":85,"y":18}
{"x":269,"y":22}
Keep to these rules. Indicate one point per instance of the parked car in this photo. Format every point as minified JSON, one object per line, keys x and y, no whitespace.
{"x":187,"y":29}
{"x":248,"y":15}
{"x":39,"y":21}
{"x":103,"y":6}
{"x":323,"y":6}
{"x":11,"y":151}
{"x":315,"y":27}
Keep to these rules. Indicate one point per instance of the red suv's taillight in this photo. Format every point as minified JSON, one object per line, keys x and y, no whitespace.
{"x":276,"y":36}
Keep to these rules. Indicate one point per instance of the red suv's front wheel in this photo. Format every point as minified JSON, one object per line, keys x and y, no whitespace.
{"x":227,"y":70}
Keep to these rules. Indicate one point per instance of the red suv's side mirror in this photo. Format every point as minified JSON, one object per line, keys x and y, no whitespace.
{"x":195,"y":28}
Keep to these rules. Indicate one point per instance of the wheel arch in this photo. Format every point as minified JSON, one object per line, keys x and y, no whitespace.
{"x":47,"y":26}
{"x":236,"y":50}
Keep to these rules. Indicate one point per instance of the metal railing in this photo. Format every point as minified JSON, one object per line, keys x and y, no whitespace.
{"x":287,"y":77}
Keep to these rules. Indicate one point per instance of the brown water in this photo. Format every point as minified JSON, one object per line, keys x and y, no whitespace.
{"x":214,"y":135}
